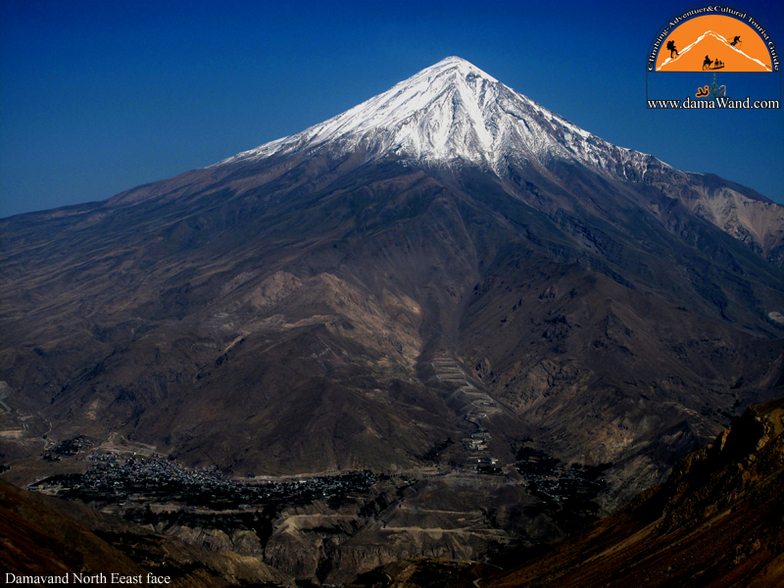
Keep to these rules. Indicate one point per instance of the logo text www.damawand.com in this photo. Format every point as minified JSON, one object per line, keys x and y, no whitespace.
{"x":718,"y":102}
{"x":713,"y":44}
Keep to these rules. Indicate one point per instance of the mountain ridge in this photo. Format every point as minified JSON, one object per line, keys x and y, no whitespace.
{"x":453,"y":114}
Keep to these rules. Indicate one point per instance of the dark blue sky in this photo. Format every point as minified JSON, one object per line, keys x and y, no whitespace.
{"x":98,"y":96}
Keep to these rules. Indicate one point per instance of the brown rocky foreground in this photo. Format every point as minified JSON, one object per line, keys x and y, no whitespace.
{"x":717,"y":522}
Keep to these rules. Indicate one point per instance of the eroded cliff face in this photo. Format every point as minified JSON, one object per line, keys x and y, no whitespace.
{"x":737,"y":468}
{"x":437,"y":516}
{"x":755,"y":221}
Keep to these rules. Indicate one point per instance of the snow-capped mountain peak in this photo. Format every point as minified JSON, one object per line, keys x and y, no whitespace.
{"x":448,"y":113}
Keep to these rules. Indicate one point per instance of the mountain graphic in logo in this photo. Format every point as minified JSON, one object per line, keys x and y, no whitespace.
{"x":714,"y":43}
{"x":712,"y":51}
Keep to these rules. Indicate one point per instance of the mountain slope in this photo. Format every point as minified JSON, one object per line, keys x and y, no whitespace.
{"x":453,"y":114}
{"x":287,"y":310}
{"x":715,"y":522}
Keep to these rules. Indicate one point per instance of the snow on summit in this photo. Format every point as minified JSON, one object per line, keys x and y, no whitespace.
{"x":448,"y":113}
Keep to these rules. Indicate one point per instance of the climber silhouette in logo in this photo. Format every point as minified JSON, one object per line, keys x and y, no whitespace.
{"x":735,"y":40}
{"x":673,"y":49}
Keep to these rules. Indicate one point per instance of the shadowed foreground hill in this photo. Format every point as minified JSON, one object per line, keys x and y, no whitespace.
{"x":39,"y":540}
{"x":717,"y":522}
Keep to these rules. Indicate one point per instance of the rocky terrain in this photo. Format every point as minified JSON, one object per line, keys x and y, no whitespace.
{"x":437,"y":285}
{"x":716,"y":522}
{"x":49,"y":537}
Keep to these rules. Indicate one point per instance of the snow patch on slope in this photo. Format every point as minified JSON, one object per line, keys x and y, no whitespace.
{"x":452,"y":112}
